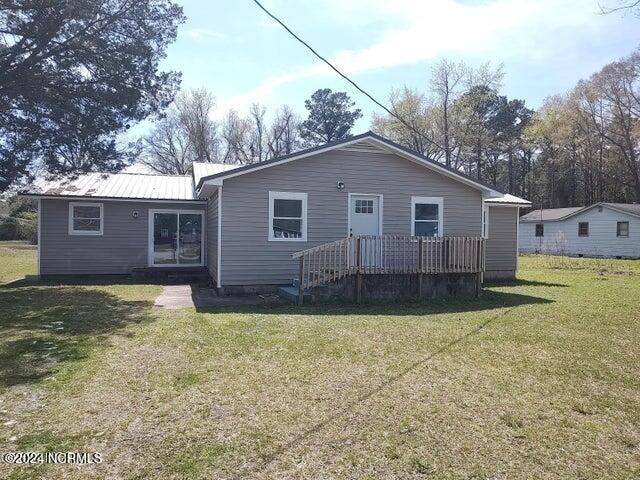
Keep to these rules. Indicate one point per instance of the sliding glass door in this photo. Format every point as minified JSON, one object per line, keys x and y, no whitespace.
{"x":176,"y":238}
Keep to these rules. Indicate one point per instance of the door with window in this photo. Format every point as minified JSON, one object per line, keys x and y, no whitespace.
{"x":365,"y":219}
{"x":176,"y":238}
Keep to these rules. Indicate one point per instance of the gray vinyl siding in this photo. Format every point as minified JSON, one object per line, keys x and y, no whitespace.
{"x":122,"y":247}
{"x":212,"y":235}
{"x":502,"y":242}
{"x":561,"y":237}
{"x":248,"y":258}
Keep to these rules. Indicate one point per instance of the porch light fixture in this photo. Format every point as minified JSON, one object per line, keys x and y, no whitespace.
{"x":340,"y":185}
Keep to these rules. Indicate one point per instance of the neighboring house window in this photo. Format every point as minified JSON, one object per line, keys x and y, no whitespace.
{"x":287,"y":217}
{"x":85,"y":218}
{"x":622,"y":229}
{"x":583,"y":229}
{"x":539,"y":229}
{"x":426,"y":216}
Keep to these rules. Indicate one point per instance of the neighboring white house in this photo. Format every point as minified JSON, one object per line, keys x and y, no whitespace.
{"x":599,"y":230}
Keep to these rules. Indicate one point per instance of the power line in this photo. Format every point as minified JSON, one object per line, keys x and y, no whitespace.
{"x":335,"y":69}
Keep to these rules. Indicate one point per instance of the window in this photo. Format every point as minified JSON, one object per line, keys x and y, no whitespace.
{"x":85,"y":218}
{"x":622,"y":229}
{"x":426,"y":216}
{"x":364,"y":206}
{"x":583,"y":229}
{"x":287,"y":217}
{"x":539,"y":229}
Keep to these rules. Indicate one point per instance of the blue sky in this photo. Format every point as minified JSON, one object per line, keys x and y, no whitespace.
{"x":242,"y":56}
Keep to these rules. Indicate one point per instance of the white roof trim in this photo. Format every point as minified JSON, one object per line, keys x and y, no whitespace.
{"x":384,"y":145}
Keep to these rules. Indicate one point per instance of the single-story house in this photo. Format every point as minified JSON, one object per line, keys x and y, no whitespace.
{"x":245,"y":223}
{"x":599,"y":230}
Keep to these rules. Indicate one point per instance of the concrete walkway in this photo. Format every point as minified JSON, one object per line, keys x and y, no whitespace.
{"x":186,"y":296}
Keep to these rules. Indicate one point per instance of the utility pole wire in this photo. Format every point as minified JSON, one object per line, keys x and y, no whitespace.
{"x":335,"y":69}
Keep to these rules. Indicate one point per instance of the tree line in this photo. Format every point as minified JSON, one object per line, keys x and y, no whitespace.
{"x":578,"y":148}
{"x":188,"y":131}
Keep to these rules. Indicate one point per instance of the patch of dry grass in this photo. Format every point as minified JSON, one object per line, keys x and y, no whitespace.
{"x":538,"y":379}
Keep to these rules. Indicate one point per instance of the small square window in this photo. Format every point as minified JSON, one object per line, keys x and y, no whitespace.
{"x":85,"y":218}
{"x":364,"y":206}
{"x":622,"y":229}
{"x":583,"y":229}
{"x":539,"y":229}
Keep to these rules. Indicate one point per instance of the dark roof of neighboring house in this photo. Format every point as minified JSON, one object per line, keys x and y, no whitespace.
{"x":549,"y":214}
{"x":557,"y":214}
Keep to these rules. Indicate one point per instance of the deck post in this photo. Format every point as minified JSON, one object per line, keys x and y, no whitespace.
{"x":358,"y":272}
{"x":420,"y":267}
{"x":300,"y":280}
{"x":479,"y":260}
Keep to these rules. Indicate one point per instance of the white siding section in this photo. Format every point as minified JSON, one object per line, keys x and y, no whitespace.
{"x":601,"y":242}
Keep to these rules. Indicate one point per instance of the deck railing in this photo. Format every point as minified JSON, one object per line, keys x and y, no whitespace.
{"x":389,"y":254}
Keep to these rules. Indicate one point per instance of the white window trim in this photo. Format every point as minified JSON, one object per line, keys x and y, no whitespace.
{"x":85,"y":232}
{"x":151,"y":213}
{"x":288,"y":196}
{"x":432,"y":200}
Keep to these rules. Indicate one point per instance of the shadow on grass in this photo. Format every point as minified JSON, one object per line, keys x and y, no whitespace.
{"x":489,"y":300}
{"x":41,"y":328}
{"x":523,"y":283}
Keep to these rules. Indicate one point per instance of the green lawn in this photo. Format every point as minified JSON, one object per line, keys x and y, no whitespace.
{"x":537,"y":379}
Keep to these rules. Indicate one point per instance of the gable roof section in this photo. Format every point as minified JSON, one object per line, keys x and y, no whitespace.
{"x":204,"y":169}
{"x":123,"y":186}
{"x":559,"y":214}
{"x":508,"y":199}
{"x":368,"y":141}
{"x":630,"y":208}
{"x":549,"y":214}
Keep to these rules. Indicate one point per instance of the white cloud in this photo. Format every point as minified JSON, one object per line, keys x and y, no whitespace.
{"x":495,"y":30}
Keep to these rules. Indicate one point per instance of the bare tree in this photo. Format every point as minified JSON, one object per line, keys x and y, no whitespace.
{"x":258,"y":142}
{"x":185,"y":135}
{"x":167,"y":149}
{"x":236,"y":136}
{"x":195,"y":109}
{"x":283,"y":135}
{"x":446,"y":81}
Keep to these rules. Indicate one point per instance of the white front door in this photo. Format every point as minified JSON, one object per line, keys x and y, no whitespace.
{"x":364,"y":217}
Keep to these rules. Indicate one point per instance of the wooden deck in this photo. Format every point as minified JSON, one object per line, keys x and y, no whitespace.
{"x":388,"y":254}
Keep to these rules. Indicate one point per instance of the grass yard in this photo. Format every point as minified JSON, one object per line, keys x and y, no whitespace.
{"x":537,"y":379}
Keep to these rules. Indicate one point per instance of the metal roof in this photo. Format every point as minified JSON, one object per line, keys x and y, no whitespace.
{"x":204,"y":169}
{"x":508,"y":199}
{"x":630,"y":208}
{"x":549,"y":214}
{"x":115,"y":185}
{"x":556,"y":214}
